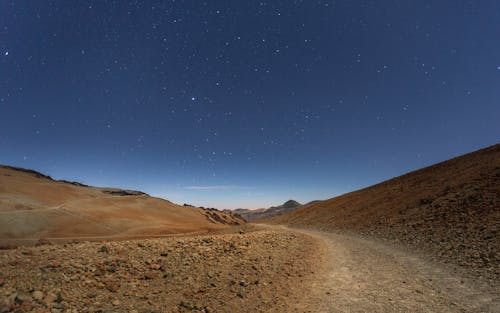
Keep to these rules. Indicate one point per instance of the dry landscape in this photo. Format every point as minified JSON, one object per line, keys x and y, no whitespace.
{"x":247,"y":272}
{"x":426,"y":241}
{"x":33,"y":206}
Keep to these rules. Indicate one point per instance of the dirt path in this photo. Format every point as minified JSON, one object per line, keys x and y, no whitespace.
{"x":360,"y":275}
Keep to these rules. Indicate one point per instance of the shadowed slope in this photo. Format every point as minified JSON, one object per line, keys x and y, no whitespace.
{"x":33,"y":205}
{"x":450,"y":210}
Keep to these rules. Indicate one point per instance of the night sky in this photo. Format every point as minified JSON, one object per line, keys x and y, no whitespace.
{"x":245,"y":103}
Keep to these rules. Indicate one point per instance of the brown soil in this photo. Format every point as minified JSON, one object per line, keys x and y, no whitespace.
{"x":269,"y":270}
{"x":450,"y":211}
{"x":34,"y":206}
{"x":262,"y":271}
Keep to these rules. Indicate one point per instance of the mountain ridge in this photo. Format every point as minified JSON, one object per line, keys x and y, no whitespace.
{"x":262,"y":213}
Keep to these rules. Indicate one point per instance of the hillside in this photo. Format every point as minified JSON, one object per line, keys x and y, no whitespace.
{"x":450,"y":211}
{"x":33,"y":206}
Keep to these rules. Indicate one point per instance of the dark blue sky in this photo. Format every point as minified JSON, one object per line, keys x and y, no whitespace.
{"x":245,"y":103}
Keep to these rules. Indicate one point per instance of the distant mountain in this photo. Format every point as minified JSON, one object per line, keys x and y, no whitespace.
{"x":258,"y":214}
{"x":34,"y":206}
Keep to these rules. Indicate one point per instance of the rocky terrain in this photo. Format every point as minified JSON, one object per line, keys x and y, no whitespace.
{"x":34,"y":206}
{"x":450,"y":211}
{"x":426,"y":241}
{"x":251,"y":271}
{"x":258,"y":214}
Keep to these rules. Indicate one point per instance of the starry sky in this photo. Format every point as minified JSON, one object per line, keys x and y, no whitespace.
{"x":245,"y":103}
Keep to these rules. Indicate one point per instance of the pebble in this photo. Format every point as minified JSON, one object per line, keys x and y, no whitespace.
{"x":103,"y":279}
{"x":23,"y":297}
{"x":37,"y":295}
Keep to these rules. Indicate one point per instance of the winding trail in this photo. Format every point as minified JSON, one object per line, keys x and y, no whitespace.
{"x":364,"y":275}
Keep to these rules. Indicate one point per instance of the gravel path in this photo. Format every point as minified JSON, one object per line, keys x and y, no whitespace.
{"x":361,"y":275}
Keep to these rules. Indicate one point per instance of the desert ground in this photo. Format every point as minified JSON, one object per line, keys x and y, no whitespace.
{"x":426,"y":241}
{"x":257,"y":269}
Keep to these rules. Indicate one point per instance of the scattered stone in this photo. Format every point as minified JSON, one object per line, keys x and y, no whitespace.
{"x":50,"y":298}
{"x":23,"y":297}
{"x":37,"y":295}
{"x":139,"y":275}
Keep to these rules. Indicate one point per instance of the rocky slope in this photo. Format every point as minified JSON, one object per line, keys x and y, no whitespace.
{"x":34,"y":206}
{"x":261,"y":271}
{"x":450,"y":211}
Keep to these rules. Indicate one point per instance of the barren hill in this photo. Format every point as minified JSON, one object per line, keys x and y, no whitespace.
{"x":33,"y":206}
{"x":450,"y":211}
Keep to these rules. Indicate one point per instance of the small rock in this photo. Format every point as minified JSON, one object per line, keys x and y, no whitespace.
{"x":155,"y":266}
{"x":116,"y":302}
{"x":23,"y":297}
{"x":50,"y":298}
{"x":188,"y":305}
{"x":37,"y":295}
{"x":104,"y":249}
{"x":112,"y":286}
